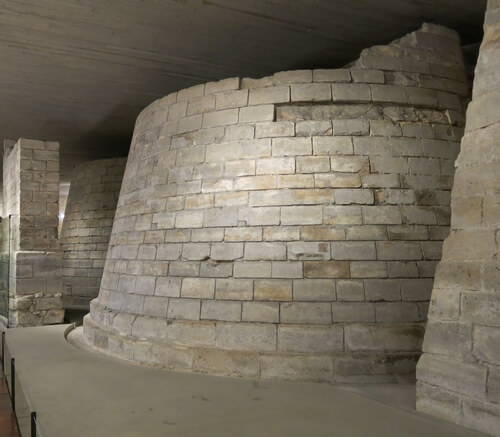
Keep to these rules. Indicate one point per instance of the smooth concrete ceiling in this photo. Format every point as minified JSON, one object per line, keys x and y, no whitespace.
{"x":79,"y":71}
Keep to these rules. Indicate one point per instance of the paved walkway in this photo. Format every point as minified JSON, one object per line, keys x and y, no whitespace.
{"x":80,"y":393}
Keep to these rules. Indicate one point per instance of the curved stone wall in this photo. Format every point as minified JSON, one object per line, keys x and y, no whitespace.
{"x":86,"y":229}
{"x":288,"y":227}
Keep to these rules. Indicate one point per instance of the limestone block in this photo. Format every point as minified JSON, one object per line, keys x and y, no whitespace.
{"x":296,"y":76}
{"x":291,"y":146}
{"x":367,"y":76}
{"x":350,"y":290}
{"x":351,"y":92}
{"x":270,"y":129}
{"x":168,"y":287}
{"x":332,"y":145}
{"x":243,"y":234}
{"x":452,"y":375}
{"x":403,"y":269}
{"x":302,"y":215}
{"x":368,"y":269}
{"x":234,"y":289}
{"x":484,"y":339}
{"x":322,"y":233}
{"x":220,"y":118}
{"x":255,"y":183}
{"x":195,"y":251}
{"x":449,"y":339}
{"x":275,"y":166}
{"x":281,"y":233}
{"x":221,"y":310}
{"x":276,"y":94}
{"x":230,"y":199}
{"x":287,"y":269}
{"x":239,"y":168}
{"x":192,"y":333}
{"x":312,"y":164}
{"x":308,"y":251}
{"x":340,"y":215}
{"x":155,"y":306}
{"x":214,"y":269}
{"x":315,"y":339}
{"x":314,"y":290}
{"x":184,"y":309}
{"x":260,"y":312}
{"x":310,"y":127}
{"x":273,"y":289}
{"x":222,"y":85}
{"x":326,"y":269}
{"x":370,"y":338}
{"x":397,"y":312}
{"x":220,"y":217}
{"x":252,"y":269}
{"x":246,"y":336}
{"x":313,"y":368}
{"x":382,"y":290}
{"x":381,"y":215}
{"x":481,"y":416}
{"x":315,"y":92}
{"x":198,"y":288}
{"x":351,"y":127}
{"x":231,"y":99}
{"x":348,"y":164}
{"x":265,"y":251}
{"x":229,"y":363}
{"x":398,"y":250}
{"x":388,"y":93}
{"x":148,"y":328}
{"x":437,"y":401}
{"x":353,"y":250}
{"x":337,"y":180}
{"x":338,"y":75}
{"x":256,"y":113}
{"x":359,"y":368}
{"x":306,"y":312}
{"x":353,"y":312}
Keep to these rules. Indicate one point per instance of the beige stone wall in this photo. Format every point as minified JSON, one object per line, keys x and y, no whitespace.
{"x":86,"y":229}
{"x":31,"y":194}
{"x":289,"y":226}
{"x":459,"y":373}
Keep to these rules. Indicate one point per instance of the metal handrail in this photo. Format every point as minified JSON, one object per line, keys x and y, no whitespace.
{"x":11,"y":390}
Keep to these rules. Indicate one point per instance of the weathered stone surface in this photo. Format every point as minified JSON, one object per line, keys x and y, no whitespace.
{"x":31,"y":201}
{"x":296,"y":218}
{"x":461,"y":359}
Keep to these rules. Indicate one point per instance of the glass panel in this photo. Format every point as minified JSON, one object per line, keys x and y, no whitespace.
{"x":4,"y":268}
{"x":23,"y":412}
{"x":6,"y":364}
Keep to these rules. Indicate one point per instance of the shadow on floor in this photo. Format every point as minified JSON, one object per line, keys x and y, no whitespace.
{"x":75,"y":316}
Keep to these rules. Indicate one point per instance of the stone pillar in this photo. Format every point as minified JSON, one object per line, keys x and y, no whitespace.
{"x":86,"y":228}
{"x":459,"y":372}
{"x":31,"y":198}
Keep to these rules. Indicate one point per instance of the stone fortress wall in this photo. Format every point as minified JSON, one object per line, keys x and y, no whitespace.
{"x":289,"y":226}
{"x":90,"y":209}
{"x":459,"y":372}
{"x":31,"y":198}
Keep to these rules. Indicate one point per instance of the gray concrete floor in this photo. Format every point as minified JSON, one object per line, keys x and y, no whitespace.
{"x":80,"y":393}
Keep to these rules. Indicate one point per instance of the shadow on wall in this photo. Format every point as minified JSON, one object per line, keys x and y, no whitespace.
{"x":86,"y":228}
